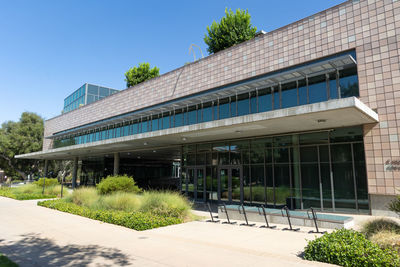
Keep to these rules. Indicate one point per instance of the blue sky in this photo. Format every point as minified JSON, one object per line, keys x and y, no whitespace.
{"x":50,"y":48}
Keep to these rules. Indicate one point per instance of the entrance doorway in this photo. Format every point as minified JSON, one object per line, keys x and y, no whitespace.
{"x":196,"y":183}
{"x":230,"y":184}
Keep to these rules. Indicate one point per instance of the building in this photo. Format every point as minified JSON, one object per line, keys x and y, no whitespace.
{"x":305,"y":115}
{"x":86,"y":94}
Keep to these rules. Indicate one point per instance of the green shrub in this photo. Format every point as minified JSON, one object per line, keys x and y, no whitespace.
{"x":113,"y":184}
{"x":135,"y":220}
{"x":165,"y":203}
{"x":349,"y":248}
{"x":387,"y":239}
{"x":378,"y":225}
{"x":48,"y":182}
{"x":121,"y":201}
{"x":85,"y":196}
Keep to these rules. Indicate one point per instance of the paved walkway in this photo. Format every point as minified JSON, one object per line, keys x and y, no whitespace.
{"x":37,"y":236}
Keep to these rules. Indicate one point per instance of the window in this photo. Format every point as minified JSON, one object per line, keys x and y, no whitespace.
{"x":348,"y":82}
{"x":264,"y":100}
{"x":289,"y":95}
{"x":224,"y":108}
{"x":243,"y":104}
{"x":317,"y":89}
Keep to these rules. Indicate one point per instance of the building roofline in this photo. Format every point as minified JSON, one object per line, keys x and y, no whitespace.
{"x":226,"y":50}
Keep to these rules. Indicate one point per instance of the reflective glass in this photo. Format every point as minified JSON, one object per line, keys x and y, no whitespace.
{"x":333,"y":92}
{"x":192,"y":114}
{"x":348,"y":82}
{"x":154,"y":125}
{"x":178,"y":118}
{"x":233,"y":106}
{"x":277,"y":100}
{"x":165,"y":121}
{"x":207,"y":112}
{"x":243,"y":104}
{"x":282,"y":185}
{"x":104,"y":91}
{"x":289,"y":95}
{"x":264,"y":100}
{"x":302,"y":92}
{"x":257,"y":184}
{"x":253,"y":102}
{"x":92,"y":89}
{"x":215,"y":110}
{"x":224,"y":109}
{"x":246,"y":184}
{"x":317,"y":89}
{"x":145,"y":126}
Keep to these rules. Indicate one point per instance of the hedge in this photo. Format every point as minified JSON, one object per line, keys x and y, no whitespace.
{"x":134,"y":220}
{"x":349,"y":248}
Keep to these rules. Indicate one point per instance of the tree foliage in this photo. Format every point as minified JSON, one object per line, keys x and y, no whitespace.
{"x":233,"y":29}
{"x":141,"y":73}
{"x":20,"y":137}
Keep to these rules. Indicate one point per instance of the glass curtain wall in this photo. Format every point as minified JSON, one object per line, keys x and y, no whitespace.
{"x":324,"y":170}
{"x":313,"y":89}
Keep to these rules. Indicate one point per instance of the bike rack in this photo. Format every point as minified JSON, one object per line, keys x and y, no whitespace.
{"x":211,"y":215}
{"x":223,"y":209}
{"x":245,"y":216}
{"x":265,"y":217}
{"x":288,"y":217}
{"x":314,"y":218}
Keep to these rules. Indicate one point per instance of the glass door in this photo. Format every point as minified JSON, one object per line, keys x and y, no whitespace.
{"x":196,"y":183}
{"x":230,"y":180}
{"x":200,"y":181}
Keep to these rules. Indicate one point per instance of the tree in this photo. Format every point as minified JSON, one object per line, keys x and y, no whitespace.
{"x":21,"y":137}
{"x":233,"y":29}
{"x":140,"y":74}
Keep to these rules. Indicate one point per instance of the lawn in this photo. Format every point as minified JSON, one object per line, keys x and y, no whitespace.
{"x":31,"y":191}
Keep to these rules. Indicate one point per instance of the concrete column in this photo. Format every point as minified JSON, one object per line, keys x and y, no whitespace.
{"x":74,"y":172}
{"x":116,"y":163}
{"x":46,"y":167}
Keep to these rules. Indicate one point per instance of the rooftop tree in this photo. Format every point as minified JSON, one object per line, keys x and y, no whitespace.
{"x":141,"y":73}
{"x":233,"y":29}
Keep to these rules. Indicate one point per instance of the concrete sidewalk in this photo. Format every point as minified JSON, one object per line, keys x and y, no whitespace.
{"x":37,"y":236}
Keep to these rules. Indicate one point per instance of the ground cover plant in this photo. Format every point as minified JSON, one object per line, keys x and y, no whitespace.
{"x":109,"y":202}
{"x":31,"y":191}
{"x":6,"y":262}
{"x":135,"y":220}
{"x":349,"y":248}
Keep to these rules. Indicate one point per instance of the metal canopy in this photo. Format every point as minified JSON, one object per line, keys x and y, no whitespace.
{"x":269,"y":80}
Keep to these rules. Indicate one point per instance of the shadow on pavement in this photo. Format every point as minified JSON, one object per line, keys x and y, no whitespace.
{"x":33,"y":250}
